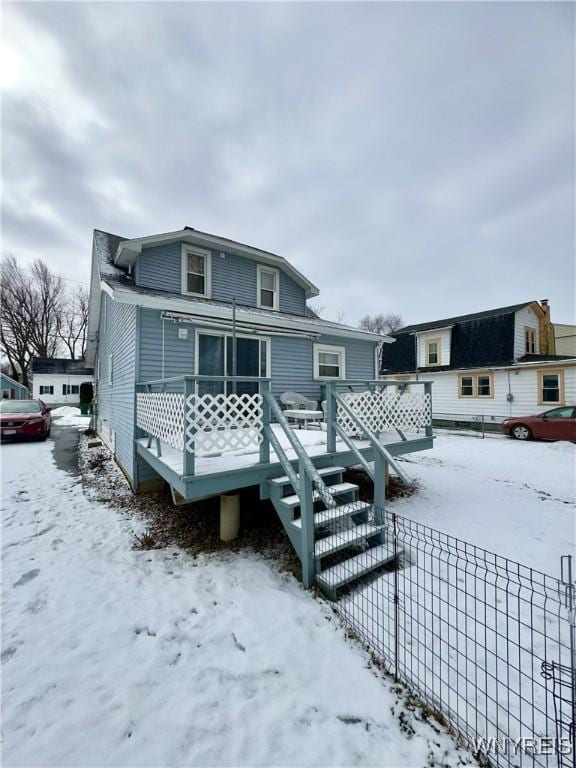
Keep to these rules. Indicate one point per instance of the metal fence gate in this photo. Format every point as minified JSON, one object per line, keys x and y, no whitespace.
{"x":487,"y":642}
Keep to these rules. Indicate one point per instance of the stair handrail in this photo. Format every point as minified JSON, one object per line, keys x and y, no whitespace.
{"x":284,"y":460}
{"x":371,"y":437}
{"x":305,"y":463}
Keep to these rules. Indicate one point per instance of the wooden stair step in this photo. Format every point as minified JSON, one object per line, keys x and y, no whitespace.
{"x":326,"y":472}
{"x":336,"y":513}
{"x":331,"y":579}
{"x":333,"y":490}
{"x":346,"y":538}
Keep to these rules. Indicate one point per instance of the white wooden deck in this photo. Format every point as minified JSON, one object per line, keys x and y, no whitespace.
{"x":313,"y":440}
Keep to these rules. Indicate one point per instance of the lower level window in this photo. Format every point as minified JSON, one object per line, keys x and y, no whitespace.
{"x":46,"y":389}
{"x":551,"y":387}
{"x":70,"y":389}
{"x":329,"y":362}
{"x":475,"y":385}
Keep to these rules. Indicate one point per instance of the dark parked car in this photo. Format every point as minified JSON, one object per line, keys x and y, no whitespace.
{"x":24,"y":418}
{"x":557,"y":424}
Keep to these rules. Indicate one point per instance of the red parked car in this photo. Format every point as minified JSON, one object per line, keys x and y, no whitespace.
{"x":24,"y":418}
{"x":557,"y":424}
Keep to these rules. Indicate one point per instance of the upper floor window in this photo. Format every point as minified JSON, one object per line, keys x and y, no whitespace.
{"x":432,"y":352}
{"x":268,"y":280}
{"x":530,"y":341}
{"x":195,"y":271}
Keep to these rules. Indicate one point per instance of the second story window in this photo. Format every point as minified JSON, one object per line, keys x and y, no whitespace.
{"x":268,"y":281}
{"x":195,"y":271}
{"x":432,"y":352}
{"x":530,"y":339}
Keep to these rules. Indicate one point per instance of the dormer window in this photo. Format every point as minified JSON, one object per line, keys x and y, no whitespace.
{"x":268,"y":280}
{"x":195,"y":271}
{"x":432,"y":352}
{"x":530,"y":341}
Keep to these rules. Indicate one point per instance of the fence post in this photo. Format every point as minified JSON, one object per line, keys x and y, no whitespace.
{"x":189,"y":429}
{"x":330,"y":418}
{"x":396,"y":595}
{"x":428,"y":391}
{"x":307,"y":527}
{"x":380,"y":476}
{"x":265,"y":444}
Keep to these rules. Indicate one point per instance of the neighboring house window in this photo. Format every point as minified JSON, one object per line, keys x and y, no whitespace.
{"x":6,"y":394}
{"x":46,"y":389}
{"x":466,"y":386}
{"x":329,"y":362}
{"x":475,"y":385}
{"x":268,"y":281}
{"x":70,"y":389}
{"x":432,"y":352}
{"x":550,"y":387}
{"x":195,"y":271}
{"x":530,"y":341}
{"x":110,"y":369}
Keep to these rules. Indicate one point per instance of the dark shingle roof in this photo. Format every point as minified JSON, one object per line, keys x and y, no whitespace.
{"x":463,"y":318}
{"x":544,"y":358}
{"x":61,"y":365}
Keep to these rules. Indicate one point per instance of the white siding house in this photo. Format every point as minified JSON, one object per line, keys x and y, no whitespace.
{"x":488,"y":365}
{"x":57,"y":381}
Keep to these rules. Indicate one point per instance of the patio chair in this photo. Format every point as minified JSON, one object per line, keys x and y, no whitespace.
{"x":301,"y":409}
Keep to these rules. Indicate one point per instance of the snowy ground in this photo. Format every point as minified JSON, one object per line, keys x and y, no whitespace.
{"x":117,"y":657}
{"x":512,"y":498}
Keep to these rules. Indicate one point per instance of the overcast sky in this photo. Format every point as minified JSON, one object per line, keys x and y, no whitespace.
{"x":414,"y":158}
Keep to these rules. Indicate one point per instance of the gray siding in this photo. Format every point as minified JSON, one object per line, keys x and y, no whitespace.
{"x":162,"y":353}
{"x":20,"y":391}
{"x":293,"y":363}
{"x":232,"y":277}
{"x":116,"y":416}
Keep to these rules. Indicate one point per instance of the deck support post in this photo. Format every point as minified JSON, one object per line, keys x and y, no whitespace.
{"x":330,"y":418}
{"x":380,"y":480}
{"x":265,"y":444}
{"x":229,"y":517}
{"x":307,"y":528}
{"x":188,"y":454}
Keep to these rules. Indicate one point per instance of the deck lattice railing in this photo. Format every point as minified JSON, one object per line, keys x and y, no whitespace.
{"x":171,"y":412}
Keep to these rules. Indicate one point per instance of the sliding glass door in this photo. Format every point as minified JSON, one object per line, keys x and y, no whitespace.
{"x":216,"y":358}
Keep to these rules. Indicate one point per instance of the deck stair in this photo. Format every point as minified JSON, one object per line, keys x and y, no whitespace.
{"x":348,"y":543}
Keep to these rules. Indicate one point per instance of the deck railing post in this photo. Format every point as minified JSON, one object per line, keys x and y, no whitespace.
{"x":265,"y":444}
{"x":428,"y":391}
{"x":330,"y":418}
{"x":307,"y":527}
{"x":188,"y":456}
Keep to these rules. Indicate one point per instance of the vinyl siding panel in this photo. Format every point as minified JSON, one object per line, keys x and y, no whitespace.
{"x":160,"y":267}
{"x":117,"y":337}
{"x":522,"y":383}
{"x":232,"y":277}
{"x":525,"y":318}
{"x":293,"y":363}
{"x":162,"y":354}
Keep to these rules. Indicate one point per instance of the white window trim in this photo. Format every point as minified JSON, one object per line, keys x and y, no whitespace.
{"x":334,"y":350}
{"x":263,"y":268}
{"x":186,"y":249}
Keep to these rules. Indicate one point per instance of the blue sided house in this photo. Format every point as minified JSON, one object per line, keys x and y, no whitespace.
{"x":12,"y":389}
{"x":212,"y":374}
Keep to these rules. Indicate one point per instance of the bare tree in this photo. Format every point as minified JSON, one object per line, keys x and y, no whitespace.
{"x":384,"y":324}
{"x":74,"y":322}
{"x":31,"y":302}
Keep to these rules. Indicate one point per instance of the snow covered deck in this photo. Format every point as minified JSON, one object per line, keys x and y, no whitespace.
{"x":214,"y":462}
